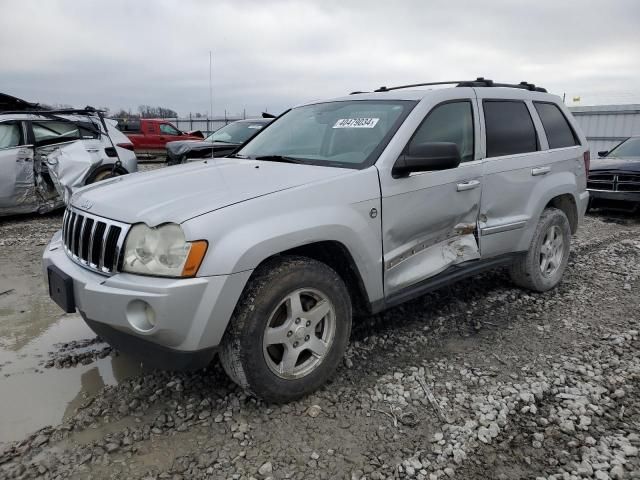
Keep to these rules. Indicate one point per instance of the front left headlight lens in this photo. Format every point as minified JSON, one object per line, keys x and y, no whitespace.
{"x":162,"y":251}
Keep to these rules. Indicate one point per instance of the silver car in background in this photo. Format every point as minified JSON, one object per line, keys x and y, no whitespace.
{"x":335,"y":210}
{"x":45,"y":154}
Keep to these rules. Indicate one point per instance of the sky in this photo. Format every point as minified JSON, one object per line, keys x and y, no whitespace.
{"x":273,"y":54}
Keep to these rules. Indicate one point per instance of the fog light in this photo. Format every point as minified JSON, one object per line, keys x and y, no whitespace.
{"x":141,"y":316}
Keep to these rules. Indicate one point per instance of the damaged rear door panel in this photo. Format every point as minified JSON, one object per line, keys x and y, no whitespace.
{"x":430,"y":218}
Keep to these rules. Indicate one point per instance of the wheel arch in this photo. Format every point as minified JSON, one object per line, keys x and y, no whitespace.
{"x":103,"y":168}
{"x":337,"y":256}
{"x":567,"y":203}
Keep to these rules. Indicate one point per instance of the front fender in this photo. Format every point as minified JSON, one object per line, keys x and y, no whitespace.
{"x":243,"y":235}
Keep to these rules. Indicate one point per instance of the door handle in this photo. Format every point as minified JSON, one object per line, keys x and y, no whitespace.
{"x":540,"y":171}
{"x":470,"y":185}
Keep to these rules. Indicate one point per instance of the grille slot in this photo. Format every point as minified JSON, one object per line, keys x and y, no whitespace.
{"x":94,"y":242}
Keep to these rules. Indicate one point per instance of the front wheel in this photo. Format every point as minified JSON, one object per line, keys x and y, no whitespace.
{"x":546,"y":260}
{"x":289,"y":330}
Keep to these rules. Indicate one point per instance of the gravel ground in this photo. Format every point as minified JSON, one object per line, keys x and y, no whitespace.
{"x":479,"y":380}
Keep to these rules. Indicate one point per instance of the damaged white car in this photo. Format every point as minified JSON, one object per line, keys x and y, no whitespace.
{"x":45,"y":154}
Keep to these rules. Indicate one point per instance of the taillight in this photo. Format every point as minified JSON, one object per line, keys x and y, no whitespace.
{"x":128,"y":146}
{"x":586,"y":156}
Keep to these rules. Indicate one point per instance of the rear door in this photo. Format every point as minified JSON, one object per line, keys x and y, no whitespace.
{"x":17,"y":178}
{"x":430,"y":218}
{"x":515,"y":163}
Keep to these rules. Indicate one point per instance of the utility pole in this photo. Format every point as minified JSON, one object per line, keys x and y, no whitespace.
{"x":210,"y":86}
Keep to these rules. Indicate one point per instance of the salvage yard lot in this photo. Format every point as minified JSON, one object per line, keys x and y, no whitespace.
{"x":479,"y":380}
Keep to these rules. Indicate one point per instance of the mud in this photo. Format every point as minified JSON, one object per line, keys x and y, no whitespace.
{"x":479,"y":380}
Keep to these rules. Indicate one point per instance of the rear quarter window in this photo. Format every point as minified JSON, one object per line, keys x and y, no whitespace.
{"x":556,"y":127}
{"x":509,"y":128}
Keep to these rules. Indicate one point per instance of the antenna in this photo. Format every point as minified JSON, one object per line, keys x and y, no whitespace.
{"x":211,"y":96}
{"x":210,"y":86}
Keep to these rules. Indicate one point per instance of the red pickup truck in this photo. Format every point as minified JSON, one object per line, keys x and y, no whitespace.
{"x":149,"y":135}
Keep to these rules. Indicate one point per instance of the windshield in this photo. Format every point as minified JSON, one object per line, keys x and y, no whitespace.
{"x":237,"y":132}
{"x":344,"y":134}
{"x":629,"y":148}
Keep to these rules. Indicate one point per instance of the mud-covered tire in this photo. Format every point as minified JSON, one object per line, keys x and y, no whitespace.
{"x":243,"y":353}
{"x":526,"y":271}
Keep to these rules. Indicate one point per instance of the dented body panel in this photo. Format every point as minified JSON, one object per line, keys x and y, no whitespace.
{"x":428,"y":221}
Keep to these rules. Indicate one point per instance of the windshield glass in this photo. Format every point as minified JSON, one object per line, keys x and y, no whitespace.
{"x":235,"y":132}
{"x":344,"y":134}
{"x":629,"y":148}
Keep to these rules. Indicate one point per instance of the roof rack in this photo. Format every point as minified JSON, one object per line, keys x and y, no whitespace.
{"x":478,"y":82}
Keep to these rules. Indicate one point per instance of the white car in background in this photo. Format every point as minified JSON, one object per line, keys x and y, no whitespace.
{"x":45,"y":154}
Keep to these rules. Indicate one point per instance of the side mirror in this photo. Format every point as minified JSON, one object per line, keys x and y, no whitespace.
{"x":426,"y":157}
{"x":603,"y":153}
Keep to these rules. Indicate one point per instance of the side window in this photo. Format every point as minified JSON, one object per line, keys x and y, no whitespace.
{"x":168,"y":129}
{"x":10,"y":135}
{"x":559,"y":132}
{"x":449,"y":122}
{"x":51,"y":132}
{"x":509,"y":127}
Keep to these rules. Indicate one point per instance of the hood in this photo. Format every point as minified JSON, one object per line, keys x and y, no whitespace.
{"x":178,"y":148}
{"x":630,"y":164}
{"x":176,"y":194}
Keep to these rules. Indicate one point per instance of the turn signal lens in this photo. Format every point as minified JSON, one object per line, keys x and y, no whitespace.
{"x":195,"y":257}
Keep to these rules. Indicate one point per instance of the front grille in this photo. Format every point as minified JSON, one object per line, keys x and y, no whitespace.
{"x":614,"y":182}
{"x":94,"y":242}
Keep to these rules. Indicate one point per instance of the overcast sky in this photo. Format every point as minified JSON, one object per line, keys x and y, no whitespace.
{"x":273,"y":54}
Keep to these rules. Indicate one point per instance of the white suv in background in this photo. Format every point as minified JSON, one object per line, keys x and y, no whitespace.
{"x":31,"y":135}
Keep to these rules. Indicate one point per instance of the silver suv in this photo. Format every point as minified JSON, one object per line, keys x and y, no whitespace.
{"x":336,"y":209}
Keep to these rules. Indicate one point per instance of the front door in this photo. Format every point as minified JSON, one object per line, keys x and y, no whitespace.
{"x":429,"y":219}
{"x":17,"y":176}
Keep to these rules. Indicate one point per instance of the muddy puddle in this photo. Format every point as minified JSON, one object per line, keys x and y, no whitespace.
{"x":34,"y":333}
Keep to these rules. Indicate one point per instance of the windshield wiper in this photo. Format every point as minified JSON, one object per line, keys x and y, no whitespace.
{"x":278,"y":158}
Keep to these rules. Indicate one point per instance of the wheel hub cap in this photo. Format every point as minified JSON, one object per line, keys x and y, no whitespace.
{"x":299,"y":333}
{"x":551,"y":251}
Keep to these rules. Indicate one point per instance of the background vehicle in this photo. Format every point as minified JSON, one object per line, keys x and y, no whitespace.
{"x":219,"y":144}
{"x":150,"y":136}
{"x":346,"y":206}
{"x":614,"y":178}
{"x":31,"y":135}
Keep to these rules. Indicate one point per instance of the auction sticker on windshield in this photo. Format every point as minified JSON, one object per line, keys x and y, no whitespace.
{"x":356,"y":123}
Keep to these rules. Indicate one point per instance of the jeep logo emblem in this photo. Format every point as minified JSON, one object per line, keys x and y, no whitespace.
{"x":85,"y":204}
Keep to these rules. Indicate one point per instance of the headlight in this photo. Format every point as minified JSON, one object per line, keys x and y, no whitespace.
{"x":162,"y":251}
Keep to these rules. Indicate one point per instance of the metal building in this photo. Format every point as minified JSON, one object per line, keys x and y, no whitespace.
{"x":607,"y":125}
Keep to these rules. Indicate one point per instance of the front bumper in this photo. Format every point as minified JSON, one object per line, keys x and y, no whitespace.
{"x":614,"y":195}
{"x":191,"y":314}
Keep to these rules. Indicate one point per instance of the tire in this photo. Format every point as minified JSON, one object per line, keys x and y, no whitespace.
{"x":102,"y":175}
{"x":527,"y":270}
{"x":285,"y":368}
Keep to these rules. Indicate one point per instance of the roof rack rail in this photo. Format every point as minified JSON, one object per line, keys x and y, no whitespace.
{"x":478,"y":82}
{"x":61,"y":111}
{"x":388,"y":89}
{"x":485,"y":82}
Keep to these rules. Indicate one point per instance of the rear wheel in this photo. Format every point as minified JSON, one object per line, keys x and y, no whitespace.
{"x":289,"y":330}
{"x":544,"y":264}
{"x":103,"y":175}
